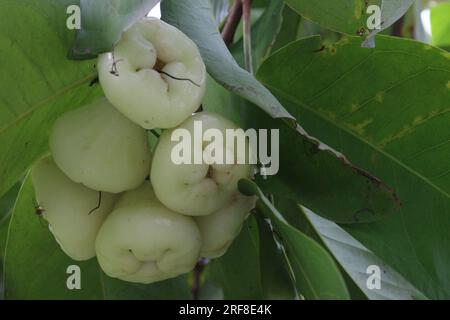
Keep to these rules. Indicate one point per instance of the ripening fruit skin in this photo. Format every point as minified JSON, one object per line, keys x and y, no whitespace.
{"x":67,"y":208}
{"x":135,"y":76}
{"x":97,"y":146}
{"x":143,"y":241}
{"x":219,"y":229}
{"x":195,"y":189}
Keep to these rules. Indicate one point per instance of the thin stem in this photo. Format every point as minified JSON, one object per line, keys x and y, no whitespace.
{"x":197,"y":278}
{"x":232,"y":23}
{"x":181,"y":79}
{"x":223,"y":22}
{"x":246,"y":10}
{"x":397,"y":29}
{"x":98,"y":204}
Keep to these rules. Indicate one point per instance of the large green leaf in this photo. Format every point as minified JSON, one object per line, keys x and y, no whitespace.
{"x":355,"y":259}
{"x":305,"y":163}
{"x":297,"y":164}
{"x":39,"y":82}
{"x":316,"y":274}
{"x":238,"y":271}
{"x":347,"y":16}
{"x":387,"y":110}
{"x":276,"y":281}
{"x":4,"y":224}
{"x":196,"y":20}
{"x":3,"y":235}
{"x":310,"y":172}
{"x":102,"y":24}
{"x":35,"y":266}
{"x":7,"y":201}
{"x":351,"y":16}
{"x":6,"y":204}
{"x":295,"y":216}
{"x":352,"y":256}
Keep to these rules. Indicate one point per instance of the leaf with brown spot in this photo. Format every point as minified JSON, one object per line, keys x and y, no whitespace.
{"x":406,"y":144}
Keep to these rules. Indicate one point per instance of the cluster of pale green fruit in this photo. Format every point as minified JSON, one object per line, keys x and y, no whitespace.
{"x":106,"y":193}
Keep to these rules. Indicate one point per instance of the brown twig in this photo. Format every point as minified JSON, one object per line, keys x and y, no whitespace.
{"x":232,"y":23}
{"x":247,"y":37}
{"x":98,"y":204}
{"x":397,"y":29}
{"x":197,"y":277}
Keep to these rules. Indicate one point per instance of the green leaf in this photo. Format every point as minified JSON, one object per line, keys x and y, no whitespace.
{"x":355,"y":259}
{"x":264,"y":33}
{"x":350,"y":16}
{"x":275,"y":278}
{"x":316,"y":274}
{"x":195,"y":19}
{"x":352,"y":256}
{"x":238,"y":271}
{"x":347,"y":16}
{"x":391,"y":11}
{"x":440,"y":24}
{"x":7,"y":202}
{"x":379,"y":199}
{"x":172,"y":289}
{"x":102,"y":24}
{"x":3,"y":235}
{"x":387,"y":110}
{"x":309,"y":161}
{"x":209,"y":291}
{"x":310,"y":172}
{"x":289,"y":29}
{"x":41,"y":82}
{"x":6,"y":205}
{"x":35,"y":266}
{"x":4,"y":224}
{"x":295,"y":216}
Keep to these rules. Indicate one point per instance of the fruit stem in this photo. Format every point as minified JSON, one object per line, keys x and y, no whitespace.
{"x":247,"y":37}
{"x":197,"y":277}
{"x":232,"y":23}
